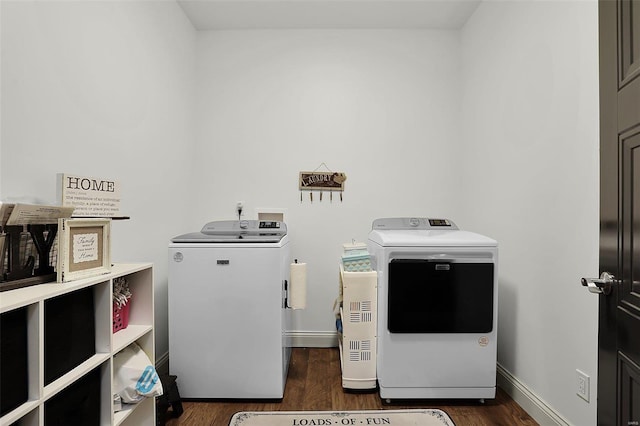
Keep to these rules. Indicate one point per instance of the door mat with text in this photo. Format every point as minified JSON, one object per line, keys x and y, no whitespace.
{"x":423,"y":417}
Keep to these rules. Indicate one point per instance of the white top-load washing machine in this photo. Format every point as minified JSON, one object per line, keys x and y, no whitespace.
{"x":437,"y":309}
{"x":227,"y":310}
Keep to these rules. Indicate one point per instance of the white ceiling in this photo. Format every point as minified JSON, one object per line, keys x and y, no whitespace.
{"x":254,"y":14}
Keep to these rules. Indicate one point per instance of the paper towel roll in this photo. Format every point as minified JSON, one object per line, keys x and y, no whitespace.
{"x":298,"y":286}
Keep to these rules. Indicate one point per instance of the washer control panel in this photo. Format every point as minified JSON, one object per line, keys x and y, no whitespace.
{"x":269,"y":224}
{"x":399,"y":223}
{"x":439,"y":222}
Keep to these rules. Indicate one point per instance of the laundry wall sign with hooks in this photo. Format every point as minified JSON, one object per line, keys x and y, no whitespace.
{"x":321,"y":181}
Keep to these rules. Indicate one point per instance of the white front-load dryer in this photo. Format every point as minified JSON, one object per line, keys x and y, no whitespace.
{"x":437,"y":309}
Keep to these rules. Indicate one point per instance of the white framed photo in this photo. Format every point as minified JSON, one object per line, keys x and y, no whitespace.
{"x":84,"y":248}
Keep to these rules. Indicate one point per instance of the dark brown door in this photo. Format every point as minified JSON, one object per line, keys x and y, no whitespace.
{"x":619,"y":312}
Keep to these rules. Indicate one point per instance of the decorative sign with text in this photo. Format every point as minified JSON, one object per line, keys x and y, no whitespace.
{"x":322,"y":181}
{"x":91,"y":197}
{"x":84,"y":248}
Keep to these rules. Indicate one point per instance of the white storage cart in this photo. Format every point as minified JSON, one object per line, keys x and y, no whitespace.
{"x":357,"y":342}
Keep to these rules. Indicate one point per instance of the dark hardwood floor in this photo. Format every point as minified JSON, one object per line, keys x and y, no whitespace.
{"x":314,"y":383}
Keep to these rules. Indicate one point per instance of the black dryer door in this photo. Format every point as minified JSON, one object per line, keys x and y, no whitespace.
{"x":428,"y":296}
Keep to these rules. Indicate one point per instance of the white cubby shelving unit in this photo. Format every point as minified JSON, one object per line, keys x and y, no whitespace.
{"x":107,"y":344}
{"x":359,"y":321}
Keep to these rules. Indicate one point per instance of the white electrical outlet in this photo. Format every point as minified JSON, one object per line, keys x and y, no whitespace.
{"x":582,"y":383}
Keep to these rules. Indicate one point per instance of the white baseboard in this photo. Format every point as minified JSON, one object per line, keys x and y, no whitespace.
{"x":529,"y":401}
{"x":312,"y":339}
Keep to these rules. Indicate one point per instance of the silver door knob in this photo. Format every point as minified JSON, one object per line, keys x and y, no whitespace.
{"x":600,"y":285}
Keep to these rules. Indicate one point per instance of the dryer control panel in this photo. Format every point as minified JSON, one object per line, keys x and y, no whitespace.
{"x":400,"y":223}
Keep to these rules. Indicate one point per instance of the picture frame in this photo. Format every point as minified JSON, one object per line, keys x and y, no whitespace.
{"x":84,"y":248}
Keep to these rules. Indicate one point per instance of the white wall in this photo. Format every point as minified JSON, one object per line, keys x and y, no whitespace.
{"x":530,"y":150}
{"x":381,"y":106}
{"x":103,"y":89}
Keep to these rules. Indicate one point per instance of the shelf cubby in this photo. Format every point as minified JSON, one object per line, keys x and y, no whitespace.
{"x":57,"y":317}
